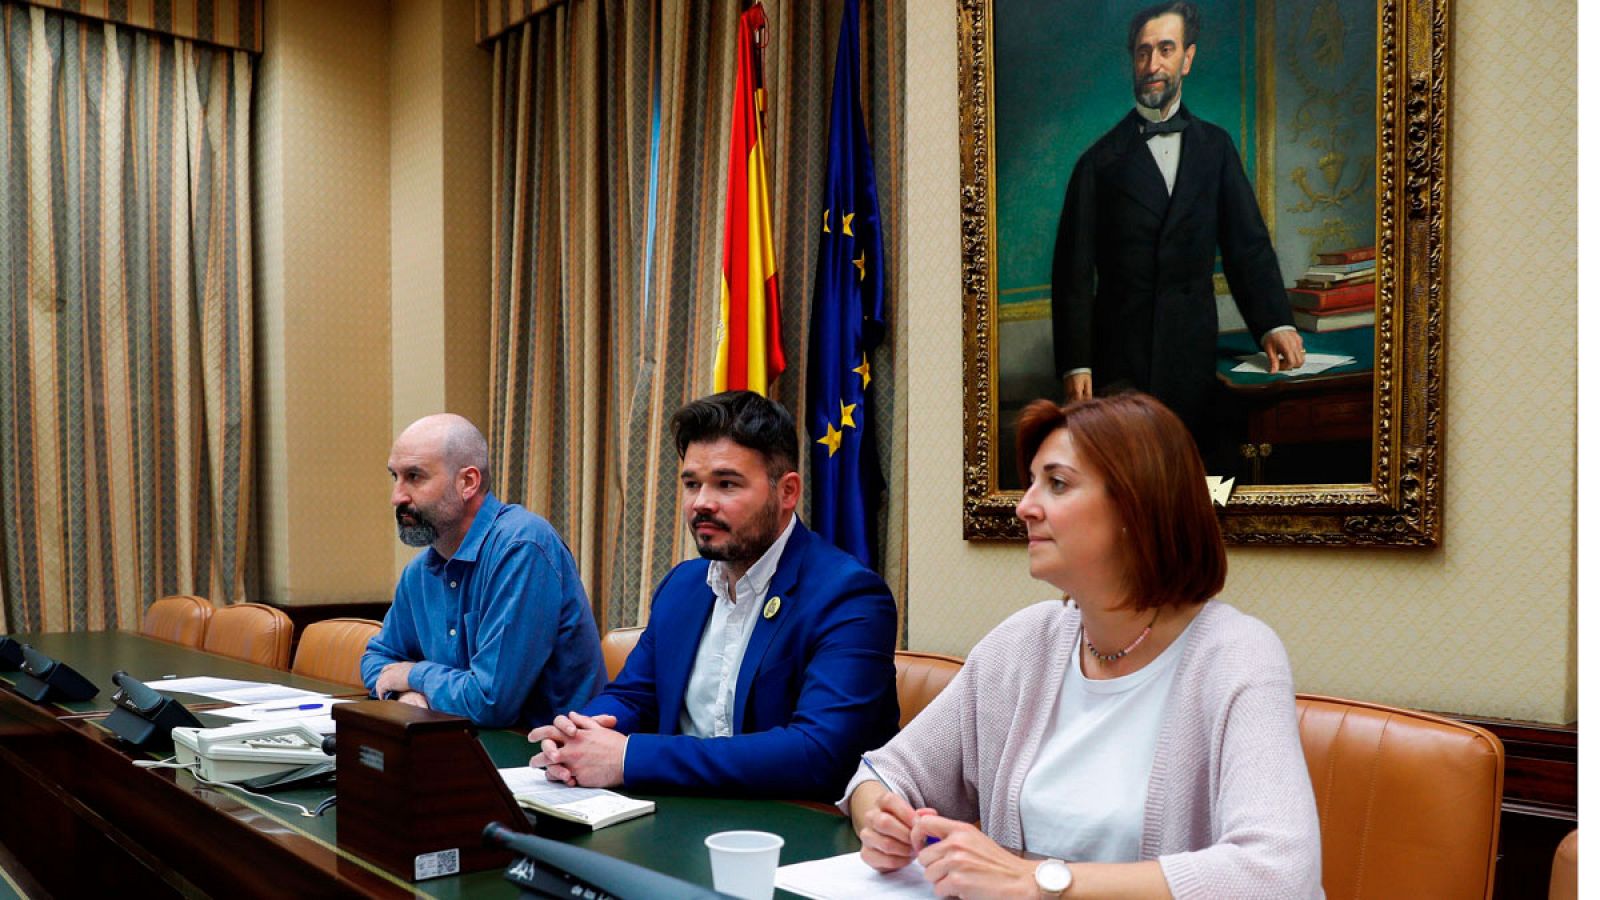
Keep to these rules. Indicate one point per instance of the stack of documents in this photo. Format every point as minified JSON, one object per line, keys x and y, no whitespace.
{"x":594,"y":807}
{"x":257,"y":701}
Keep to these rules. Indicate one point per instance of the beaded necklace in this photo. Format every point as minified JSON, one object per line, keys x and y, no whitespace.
{"x":1107,"y":659}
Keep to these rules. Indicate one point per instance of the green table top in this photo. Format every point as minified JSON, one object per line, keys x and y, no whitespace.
{"x":672,"y":840}
{"x":1355,"y":342}
{"x":97,"y":654}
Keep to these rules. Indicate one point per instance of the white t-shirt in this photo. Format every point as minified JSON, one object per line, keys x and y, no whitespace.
{"x":1083,"y":800}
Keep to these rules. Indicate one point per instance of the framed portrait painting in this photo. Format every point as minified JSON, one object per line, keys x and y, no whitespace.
{"x":1237,"y":207}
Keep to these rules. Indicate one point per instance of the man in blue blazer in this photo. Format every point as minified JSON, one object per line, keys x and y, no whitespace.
{"x":767,"y":667}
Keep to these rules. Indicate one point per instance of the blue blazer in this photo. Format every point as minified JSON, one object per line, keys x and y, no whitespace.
{"x":816,"y":687}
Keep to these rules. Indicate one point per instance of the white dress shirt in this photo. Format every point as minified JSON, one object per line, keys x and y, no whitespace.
{"x":708,"y":699}
{"x":1166,"y":148}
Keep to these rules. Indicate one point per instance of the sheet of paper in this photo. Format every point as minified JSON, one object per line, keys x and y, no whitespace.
{"x":1315,"y":364}
{"x":199,"y":684}
{"x":266,"y":693}
{"x":276,"y":711}
{"x":839,"y":877}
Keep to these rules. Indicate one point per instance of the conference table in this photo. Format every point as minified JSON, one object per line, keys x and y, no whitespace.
{"x":81,"y":818}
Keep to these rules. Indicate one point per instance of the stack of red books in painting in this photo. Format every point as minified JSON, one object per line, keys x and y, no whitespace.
{"x":1338,"y":292}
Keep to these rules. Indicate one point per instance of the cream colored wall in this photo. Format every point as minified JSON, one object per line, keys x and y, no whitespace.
{"x":416,"y":197}
{"x":439,"y":201}
{"x":372,"y":217}
{"x":322,"y":201}
{"x":1487,"y":624}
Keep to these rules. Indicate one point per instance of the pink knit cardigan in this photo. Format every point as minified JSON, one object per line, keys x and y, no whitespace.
{"x":1229,"y":811}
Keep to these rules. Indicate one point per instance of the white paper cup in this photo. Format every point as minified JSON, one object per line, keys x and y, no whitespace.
{"x":744,"y":863}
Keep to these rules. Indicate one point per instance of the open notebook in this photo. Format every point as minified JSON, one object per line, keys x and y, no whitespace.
{"x":594,"y":807}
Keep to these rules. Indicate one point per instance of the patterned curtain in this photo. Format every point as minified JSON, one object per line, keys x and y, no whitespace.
{"x":610,"y":134}
{"x":125,"y":320}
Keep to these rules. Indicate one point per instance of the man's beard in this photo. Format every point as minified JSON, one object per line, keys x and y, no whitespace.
{"x":422,"y":533}
{"x":1158,"y":94}
{"x":746,"y":547}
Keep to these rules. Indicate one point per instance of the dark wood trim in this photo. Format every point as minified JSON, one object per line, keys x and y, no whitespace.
{"x":1541,"y":800}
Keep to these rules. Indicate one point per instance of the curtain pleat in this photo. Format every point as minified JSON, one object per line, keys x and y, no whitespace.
{"x":607,"y":256}
{"x":125,"y":321}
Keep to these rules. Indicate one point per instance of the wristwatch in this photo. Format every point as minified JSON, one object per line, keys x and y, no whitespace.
{"x":1053,"y":878}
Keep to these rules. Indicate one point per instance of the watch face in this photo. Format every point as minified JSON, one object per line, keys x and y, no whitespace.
{"x":1053,"y":876}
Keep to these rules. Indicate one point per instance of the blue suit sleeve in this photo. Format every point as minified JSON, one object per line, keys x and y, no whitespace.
{"x":515,"y":637}
{"x":632,"y":696}
{"x":845,"y":705}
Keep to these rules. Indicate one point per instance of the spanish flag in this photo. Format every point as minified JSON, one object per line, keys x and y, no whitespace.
{"x":749,"y":353}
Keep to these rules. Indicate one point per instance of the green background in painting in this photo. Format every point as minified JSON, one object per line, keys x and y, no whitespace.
{"x":1063,"y":78}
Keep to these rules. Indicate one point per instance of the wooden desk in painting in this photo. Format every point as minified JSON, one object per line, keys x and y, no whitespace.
{"x":1329,"y":408}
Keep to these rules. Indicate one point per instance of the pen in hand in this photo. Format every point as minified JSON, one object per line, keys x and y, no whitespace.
{"x":890,"y":788}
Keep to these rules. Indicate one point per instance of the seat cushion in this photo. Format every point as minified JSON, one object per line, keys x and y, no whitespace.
{"x":253,"y":632}
{"x":180,"y":618}
{"x":1409,"y":802}
{"x":615,"y":647}
{"x":919,"y":677}
{"x":331,"y":650}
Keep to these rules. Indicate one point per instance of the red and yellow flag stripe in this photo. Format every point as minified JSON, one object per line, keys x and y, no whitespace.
{"x":749,"y":350}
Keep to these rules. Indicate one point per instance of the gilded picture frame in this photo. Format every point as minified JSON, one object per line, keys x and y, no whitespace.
{"x":1401,"y":504}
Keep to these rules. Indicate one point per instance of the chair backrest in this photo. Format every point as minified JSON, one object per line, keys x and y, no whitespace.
{"x":180,"y":618}
{"x":331,"y":650}
{"x":253,"y":632}
{"x":616,"y":646}
{"x":1409,"y":802}
{"x":919,"y":677}
{"x":1564,"y":869}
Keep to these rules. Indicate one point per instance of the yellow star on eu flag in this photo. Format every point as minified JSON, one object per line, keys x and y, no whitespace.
{"x":847,"y":218}
{"x":865,"y":371}
{"x":825,"y":228}
{"x":831,"y":439}
{"x":847,"y":415}
{"x":861,"y":264}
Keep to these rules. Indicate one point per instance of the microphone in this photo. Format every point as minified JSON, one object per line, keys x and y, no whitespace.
{"x":553,"y":869}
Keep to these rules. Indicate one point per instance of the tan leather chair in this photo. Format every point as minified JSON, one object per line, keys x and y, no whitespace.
{"x":253,"y":632}
{"x":1409,"y":802}
{"x":331,"y":650}
{"x":180,"y":619}
{"x":1564,"y":869}
{"x":919,"y":677}
{"x":615,"y":647}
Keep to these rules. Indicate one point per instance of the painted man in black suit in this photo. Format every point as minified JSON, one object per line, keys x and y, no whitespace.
{"x":1148,"y":206}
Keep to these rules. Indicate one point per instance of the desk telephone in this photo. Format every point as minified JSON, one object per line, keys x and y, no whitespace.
{"x":249,"y":750}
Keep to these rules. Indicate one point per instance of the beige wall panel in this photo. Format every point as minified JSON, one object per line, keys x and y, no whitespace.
{"x":440,"y":93}
{"x":417,"y":212}
{"x":272,"y":475}
{"x":327,"y":529}
{"x":1485,"y":625}
{"x":466,"y":87}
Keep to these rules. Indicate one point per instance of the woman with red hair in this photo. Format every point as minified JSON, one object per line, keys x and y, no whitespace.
{"x":1137,"y":733}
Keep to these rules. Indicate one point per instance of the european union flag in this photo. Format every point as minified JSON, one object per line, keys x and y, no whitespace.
{"x":846,"y":322}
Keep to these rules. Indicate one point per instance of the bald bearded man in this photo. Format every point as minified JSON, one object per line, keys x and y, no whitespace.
{"x":489,"y":621}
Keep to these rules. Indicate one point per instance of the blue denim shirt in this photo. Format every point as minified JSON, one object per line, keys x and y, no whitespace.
{"x":501,"y":632}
